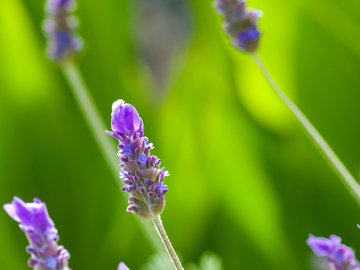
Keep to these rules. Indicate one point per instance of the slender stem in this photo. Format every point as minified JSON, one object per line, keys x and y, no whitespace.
{"x":97,"y":128}
{"x":91,"y":115}
{"x":329,"y":155}
{"x":166,"y":241}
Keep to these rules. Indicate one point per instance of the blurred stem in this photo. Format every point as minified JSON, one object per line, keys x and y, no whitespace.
{"x":91,"y":114}
{"x":329,"y":155}
{"x":166,"y":241}
{"x":97,"y":128}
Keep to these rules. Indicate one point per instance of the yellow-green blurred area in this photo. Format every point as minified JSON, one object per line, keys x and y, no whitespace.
{"x":245,"y":183}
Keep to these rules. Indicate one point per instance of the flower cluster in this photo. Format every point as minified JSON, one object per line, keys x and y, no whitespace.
{"x":60,"y":29}
{"x":240,"y":23}
{"x":339,"y":256}
{"x":34,"y":220}
{"x":141,"y":171}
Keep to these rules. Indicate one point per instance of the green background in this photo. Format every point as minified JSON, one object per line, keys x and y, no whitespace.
{"x":245,"y":181}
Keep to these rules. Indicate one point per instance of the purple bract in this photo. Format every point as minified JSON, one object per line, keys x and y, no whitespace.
{"x":125,"y":120}
{"x":35,"y":221}
{"x":339,"y":256}
{"x":141,"y":171}
{"x":240,"y":23}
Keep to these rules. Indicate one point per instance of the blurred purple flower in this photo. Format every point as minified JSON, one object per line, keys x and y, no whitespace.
{"x":60,"y":30}
{"x":339,"y":256}
{"x":122,"y":266}
{"x":240,"y":23}
{"x":40,"y":230}
{"x":143,"y":177}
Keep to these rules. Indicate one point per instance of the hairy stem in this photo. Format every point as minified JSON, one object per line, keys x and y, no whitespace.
{"x":329,"y":155}
{"x":166,"y":241}
{"x":97,"y":128}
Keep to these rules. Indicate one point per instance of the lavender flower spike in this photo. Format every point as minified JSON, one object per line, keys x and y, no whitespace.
{"x":240,"y":23}
{"x":122,"y":266}
{"x":339,"y":256}
{"x":143,"y":177}
{"x":60,"y":27}
{"x":34,"y":220}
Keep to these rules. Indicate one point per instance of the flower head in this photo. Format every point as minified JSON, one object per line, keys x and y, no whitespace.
{"x":63,"y":42}
{"x":339,"y":256}
{"x":141,"y":171}
{"x":240,"y":23}
{"x":43,"y":237}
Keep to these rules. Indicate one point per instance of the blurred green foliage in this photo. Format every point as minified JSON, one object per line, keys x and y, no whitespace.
{"x":245,"y":182}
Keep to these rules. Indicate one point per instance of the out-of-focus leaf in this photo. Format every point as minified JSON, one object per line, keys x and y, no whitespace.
{"x":210,"y":261}
{"x":9,"y":254}
{"x":162,"y":31}
{"x":24,"y":76}
{"x":159,"y":261}
{"x":336,"y":20}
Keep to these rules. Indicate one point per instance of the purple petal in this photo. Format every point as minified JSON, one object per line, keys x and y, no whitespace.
{"x":51,"y":262}
{"x":320,"y":245}
{"x":249,"y":35}
{"x":10,"y":209}
{"x":32,"y":215}
{"x":128,"y":150}
{"x":142,"y":158}
{"x":22,"y":211}
{"x":122,"y":266}
{"x":343,"y":255}
{"x":64,"y":42}
{"x":125,"y":118}
{"x":335,"y":240}
{"x":161,"y":189}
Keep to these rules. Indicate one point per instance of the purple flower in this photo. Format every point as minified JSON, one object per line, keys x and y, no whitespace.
{"x":63,"y":42}
{"x":141,"y":171}
{"x":40,"y":230}
{"x":339,"y":256}
{"x":122,"y":266}
{"x":240,"y":23}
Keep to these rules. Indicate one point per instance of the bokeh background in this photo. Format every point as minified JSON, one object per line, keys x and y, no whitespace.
{"x":245,"y":184}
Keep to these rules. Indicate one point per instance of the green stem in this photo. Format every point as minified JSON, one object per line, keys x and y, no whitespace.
{"x":329,"y":155}
{"x":97,"y":128}
{"x":166,"y":241}
{"x":91,"y":115}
